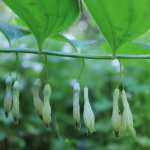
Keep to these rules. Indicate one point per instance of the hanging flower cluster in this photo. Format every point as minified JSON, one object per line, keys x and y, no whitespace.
{"x":122,"y":125}
{"x":43,"y":109}
{"x":88,"y":114}
{"x":8,"y":98}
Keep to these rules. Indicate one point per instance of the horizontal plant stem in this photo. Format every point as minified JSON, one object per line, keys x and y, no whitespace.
{"x":74,"y":55}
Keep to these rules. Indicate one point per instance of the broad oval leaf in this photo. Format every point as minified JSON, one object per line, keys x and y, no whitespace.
{"x":120,"y":21}
{"x":77,"y":44}
{"x":45,"y":17}
{"x":11,"y":32}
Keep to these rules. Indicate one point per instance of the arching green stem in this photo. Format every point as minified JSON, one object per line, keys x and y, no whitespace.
{"x":17,"y":67}
{"x":14,"y":63}
{"x":83,"y":68}
{"x":81,"y":72}
{"x":44,"y":67}
{"x":120,"y":75}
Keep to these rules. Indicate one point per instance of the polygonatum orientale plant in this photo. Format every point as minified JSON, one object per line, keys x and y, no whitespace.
{"x":119,"y":21}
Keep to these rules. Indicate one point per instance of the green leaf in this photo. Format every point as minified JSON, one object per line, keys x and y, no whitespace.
{"x":120,"y":21}
{"x":143,"y":44}
{"x":12,"y":33}
{"x":19,"y":22}
{"x":77,"y":44}
{"x":45,"y":17}
{"x":129,"y":48}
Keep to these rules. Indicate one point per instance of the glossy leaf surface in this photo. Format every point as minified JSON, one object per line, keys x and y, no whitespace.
{"x":120,"y":21}
{"x":45,"y":17}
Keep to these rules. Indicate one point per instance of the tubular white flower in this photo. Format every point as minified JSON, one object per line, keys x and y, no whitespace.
{"x":8,"y":97}
{"x":88,"y":114}
{"x":38,"y":104}
{"x":76,"y":106}
{"x":116,"y":115}
{"x":127,"y":120}
{"x":15,"y":107}
{"x":47,"y":107}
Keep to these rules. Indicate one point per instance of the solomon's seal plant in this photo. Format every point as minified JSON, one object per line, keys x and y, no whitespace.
{"x":8,"y":97}
{"x":88,"y":114}
{"x":15,"y":107}
{"x":116,"y":115}
{"x":48,"y":18}
{"x":38,"y":104}
{"x":76,"y":106}
{"x":47,"y":107}
{"x":127,"y":119}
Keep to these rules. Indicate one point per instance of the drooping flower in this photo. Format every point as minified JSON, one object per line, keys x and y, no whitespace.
{"x":76,"y":106}
{"x":88,"y":114}
{"x":116,"y":115}
{"x":38,"y":104}
{"x":127,"y":120}
{"x":8,"y":97}
{"x":15,"y":107}
{"x":47,"y":107}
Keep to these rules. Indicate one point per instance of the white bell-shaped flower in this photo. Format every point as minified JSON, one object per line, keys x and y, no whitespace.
{"x":116,"y":115}
{"x":8,"y":97}
{"x":127,"y":120}
{"x":88,"y":114}
{"x":47,"y":107}
{"x":38,"y":104}
{"x":76,"y":106}
{"x":15,"y":107}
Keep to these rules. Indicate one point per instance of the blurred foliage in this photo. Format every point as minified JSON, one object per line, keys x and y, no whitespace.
{"x":102,"y":78}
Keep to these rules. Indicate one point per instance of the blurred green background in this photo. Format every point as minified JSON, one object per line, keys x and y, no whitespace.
{"x":102,"y":78}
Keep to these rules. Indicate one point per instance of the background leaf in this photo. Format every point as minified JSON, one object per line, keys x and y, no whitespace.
{"x":45,"y":17}
{"x":129,"y":48}
{"x":12,"y":33}
{"x":143,"y":44}
{"x":120,"y":21}
{"x":77,"y":44}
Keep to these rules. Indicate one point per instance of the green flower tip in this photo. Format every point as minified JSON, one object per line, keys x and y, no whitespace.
{"x":15,"y":121}
{"x":127,"y":131}
{"x":48,"y":126}
{"x":6,"y":114}
{"x":41,"y":117}
{"x":117,"y":134}
{"x":90,"y":131}
{"x":78,"y":125}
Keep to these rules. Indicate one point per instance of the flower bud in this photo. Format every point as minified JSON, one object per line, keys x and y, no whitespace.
{"x":47,"y":108}
{"x":88,"y":113}
{"x":15,"y":107}
{"x":76,"y":106}
{"x":116,"y":115}
{"x":8,"y":97}
{"x":38,"y":104}
{"x":127,"y":120}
